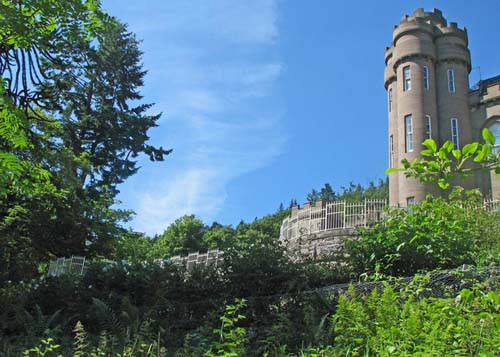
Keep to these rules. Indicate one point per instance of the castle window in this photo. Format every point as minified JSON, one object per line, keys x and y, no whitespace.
{"x":451,"y":80}
{"x":391,"y":151}
{"x":406,"y":79}
{"x":428,"y":127}
{"x":454,"y":133}
{"x":410,"y":201}
{"x":426,"y":77}
{"x":495,"y":130}
{"x":390,"y":100}
{"x":408,"y":134}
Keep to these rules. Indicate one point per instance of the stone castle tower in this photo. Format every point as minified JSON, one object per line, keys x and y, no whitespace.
{"x":427,"y":82}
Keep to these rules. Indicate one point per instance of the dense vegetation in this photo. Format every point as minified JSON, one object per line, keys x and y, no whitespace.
{"x":72,"y":124}
{"x":140,"y":305}
{"x":71,"y":127}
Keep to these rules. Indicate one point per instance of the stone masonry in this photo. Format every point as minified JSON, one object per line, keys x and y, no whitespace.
{"x":427,"y":81}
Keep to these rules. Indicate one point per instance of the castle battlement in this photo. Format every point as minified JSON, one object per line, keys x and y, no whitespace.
{"x":427,"y":79}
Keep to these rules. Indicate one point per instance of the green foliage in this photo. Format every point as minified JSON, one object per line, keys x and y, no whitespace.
{"x":231,"y":337}
{"x":444,"y":164}
{"x":351,"y":324}
{"x":71,"y":128}
{"x":392,"y":324}
{"x":31,"y":32}
{"x":435,"y":233}
{"x":133,"y":247}
{"x":219,"y":236}
{"x":45,"y":348}
{"x":352,"y":193}
{"x":147,"y":310}
{"x":80,"y":344}
{"x":183,"y":236}
{"x":486,"y":249}
{"x":100,"y":121}
{"x":189,"y":234}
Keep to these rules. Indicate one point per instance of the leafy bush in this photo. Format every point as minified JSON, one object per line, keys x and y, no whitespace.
{"x":433,"y":234}
{"x":402,"y":324}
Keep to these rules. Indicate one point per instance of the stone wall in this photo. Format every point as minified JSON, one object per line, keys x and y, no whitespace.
{"x":318,"y":245}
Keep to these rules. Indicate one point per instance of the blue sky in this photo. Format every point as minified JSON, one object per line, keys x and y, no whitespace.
{"x":261,"y":99}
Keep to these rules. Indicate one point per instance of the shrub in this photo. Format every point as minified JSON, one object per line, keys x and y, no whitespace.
{"x":433,"y":234}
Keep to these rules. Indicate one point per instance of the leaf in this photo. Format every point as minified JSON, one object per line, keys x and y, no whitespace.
{"x":483,"y":153}
{"x":457,"y":154}
{"x":447,"y":147}
{"x":430,"y":144}
{"x":470,"y":149}
{"x":391,"y":170}
{"x":443,"y":183}
{"x":488,"y":136}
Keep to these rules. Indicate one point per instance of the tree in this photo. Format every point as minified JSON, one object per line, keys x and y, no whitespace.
{"x":182,"y":237}
{"x":313,"y":196}
{"x":102,"y":130}
{"x":327,"y":193}
{"x":132,"y":247}
{"x":32,"y":32}
{"x":352,"y":193}
{"x":219,"y":236}
{"x":100,"y":123}
{"x":71,"y":128}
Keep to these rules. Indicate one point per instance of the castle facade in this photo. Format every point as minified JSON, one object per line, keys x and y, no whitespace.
{"x":427,"y":81}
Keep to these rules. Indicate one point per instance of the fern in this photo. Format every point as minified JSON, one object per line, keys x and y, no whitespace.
{"x":38,"y":325}
{"x":80,"y":344}
{"x":107,"y":318}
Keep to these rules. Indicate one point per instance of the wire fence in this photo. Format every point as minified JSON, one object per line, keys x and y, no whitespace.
{"x":438,"y":283}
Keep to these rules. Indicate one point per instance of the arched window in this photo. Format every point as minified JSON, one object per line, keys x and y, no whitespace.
{"x":495,"y":129}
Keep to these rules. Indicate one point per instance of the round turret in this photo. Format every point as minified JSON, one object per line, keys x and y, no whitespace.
{"x":426,"y":77}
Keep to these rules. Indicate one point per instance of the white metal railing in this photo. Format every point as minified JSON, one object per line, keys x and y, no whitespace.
{"x":491,"y":205}
{"x":330,"y":216}
{"x":342,"y":215}
{"x":79,"y":265}
{"x":212,"y":257}
{"x":61,"y":266}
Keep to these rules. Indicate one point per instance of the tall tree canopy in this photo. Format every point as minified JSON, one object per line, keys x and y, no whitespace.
{"x":72,"y":125}
{"x":32,"y":32}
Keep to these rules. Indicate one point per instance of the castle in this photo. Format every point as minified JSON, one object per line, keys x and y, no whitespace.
{"x":427,"y":81}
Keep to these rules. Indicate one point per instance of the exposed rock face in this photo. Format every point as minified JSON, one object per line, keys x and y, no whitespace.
{"x":319,"y":244}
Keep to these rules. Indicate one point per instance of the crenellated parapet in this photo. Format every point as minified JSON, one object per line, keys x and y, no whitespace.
{"x":426,"y":35}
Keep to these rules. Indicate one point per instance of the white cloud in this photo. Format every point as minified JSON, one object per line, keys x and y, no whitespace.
{"x":185,"y":193}
{"x":212,"y":67}
{"x":249,"y":22}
